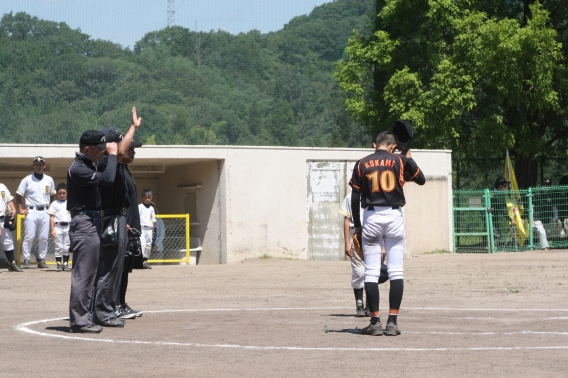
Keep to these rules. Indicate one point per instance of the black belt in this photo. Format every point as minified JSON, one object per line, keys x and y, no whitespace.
{"x":108,"y":212}
{"x":38,"y":207}
{"x":1,"y":217}
{"x":86,"y":212}
{"x":371,"y":207}
{"x":62,"y":223}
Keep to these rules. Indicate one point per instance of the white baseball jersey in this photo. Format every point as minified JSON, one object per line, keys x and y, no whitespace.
{"x":5,"y":197}
{"x":346,"y":210}
{"x":59,"y":210}
{"x":147,"y":215}
{"x":36,"y":192}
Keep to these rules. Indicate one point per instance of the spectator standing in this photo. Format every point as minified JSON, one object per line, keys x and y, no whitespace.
{"x":59,"y":223}
{"x":37,"y":191}
{"x":543,"y":210}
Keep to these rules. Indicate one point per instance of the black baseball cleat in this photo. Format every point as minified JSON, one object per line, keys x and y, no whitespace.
{"x":87,"y":329}
{"x":42,"y":265}
{"x":14,"y":268}
{"x":392,"y":329}
{"x":114,"y":322}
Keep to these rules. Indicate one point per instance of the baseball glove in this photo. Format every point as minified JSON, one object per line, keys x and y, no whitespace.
{"x":357,"y":246}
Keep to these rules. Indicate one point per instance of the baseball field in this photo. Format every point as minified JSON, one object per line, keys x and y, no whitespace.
{"x":499,"y":315}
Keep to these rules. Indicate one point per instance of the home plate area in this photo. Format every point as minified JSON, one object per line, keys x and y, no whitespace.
{"x":332,"y":328}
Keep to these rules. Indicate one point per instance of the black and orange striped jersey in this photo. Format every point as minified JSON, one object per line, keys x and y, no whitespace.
{"x":380,"y":178}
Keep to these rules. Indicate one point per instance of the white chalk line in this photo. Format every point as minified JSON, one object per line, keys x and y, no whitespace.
{"x":24,"y":328}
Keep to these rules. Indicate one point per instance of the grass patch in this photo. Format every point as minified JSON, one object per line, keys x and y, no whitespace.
{"x":437,"y":251}
{"x":265,"y":257}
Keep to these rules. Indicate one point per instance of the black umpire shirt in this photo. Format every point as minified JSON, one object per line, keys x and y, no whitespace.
{"x":132,"y":213}
{"x":114,"y":197}
{"x":378,"y":180}
{"x":83,"y":182}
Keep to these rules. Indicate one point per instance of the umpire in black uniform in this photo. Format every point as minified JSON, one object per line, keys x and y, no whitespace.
{"x":115,"y":201}
{"x":123,"y":310}
{"x":84,"y":203}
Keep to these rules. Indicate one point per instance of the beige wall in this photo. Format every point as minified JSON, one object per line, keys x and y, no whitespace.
{"x":253,"y":200}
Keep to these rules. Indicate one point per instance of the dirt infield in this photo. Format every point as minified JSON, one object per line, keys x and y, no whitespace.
{"x":500,"y":315}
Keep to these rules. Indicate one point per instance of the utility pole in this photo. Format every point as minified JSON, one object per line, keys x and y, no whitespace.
{"x":197,"y":46}
{"x":171,"y":12}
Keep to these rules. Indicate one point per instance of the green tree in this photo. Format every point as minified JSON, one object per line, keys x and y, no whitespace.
{"x":474,"y":76}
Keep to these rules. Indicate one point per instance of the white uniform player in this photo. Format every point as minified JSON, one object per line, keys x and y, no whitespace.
{"x":357,"y":265}
{"x":59,"y":222}
{"x":37,"y":190}
{"x":147,"y":222}
{"x":7,"y":206}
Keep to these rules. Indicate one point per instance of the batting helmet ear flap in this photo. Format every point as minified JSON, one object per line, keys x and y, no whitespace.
{"x":404,"y":133}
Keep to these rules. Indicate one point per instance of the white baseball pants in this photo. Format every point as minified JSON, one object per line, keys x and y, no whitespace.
{"x":541,"y":233}
{"x":35,"y":221}
{"x":6,"y":238}
{"x":61,"y":240}
{"x":146,"y":241}
{"x":383,"y":224}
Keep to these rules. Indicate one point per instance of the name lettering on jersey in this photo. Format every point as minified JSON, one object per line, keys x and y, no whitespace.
{"x":379,"y":163}
{"x":3,"y":193}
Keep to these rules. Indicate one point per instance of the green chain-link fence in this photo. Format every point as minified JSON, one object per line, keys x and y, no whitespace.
{"x":483,"y":223}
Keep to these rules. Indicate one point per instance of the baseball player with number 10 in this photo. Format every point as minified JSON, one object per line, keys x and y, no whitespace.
{"x":377,"y":186}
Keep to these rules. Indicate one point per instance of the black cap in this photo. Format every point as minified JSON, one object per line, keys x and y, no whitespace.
{"x":93,"y":138}
{"x":136,"y":144}
{"x":546,"y":182}
{"x":39,"y":159}
{"x":501,"y":181}
{"x":112,"y":134}
{"x":404,"y":133}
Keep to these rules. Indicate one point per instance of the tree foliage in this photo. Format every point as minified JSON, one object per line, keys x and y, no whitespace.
{"x":474,"y":76}
{"x":190,"y":87}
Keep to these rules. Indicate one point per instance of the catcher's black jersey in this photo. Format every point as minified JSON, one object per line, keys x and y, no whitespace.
{"x":380,"y":178}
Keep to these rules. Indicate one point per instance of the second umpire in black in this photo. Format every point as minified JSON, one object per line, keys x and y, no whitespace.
{"x":84,"y":203}
{"x":115,"y":201}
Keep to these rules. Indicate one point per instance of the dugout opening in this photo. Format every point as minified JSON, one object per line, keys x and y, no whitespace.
{"x":190,"y":185}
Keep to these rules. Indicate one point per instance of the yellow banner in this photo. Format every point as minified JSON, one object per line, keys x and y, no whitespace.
{"x":514,"y":206}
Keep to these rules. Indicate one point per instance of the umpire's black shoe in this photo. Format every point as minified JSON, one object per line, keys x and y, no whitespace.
{"x":115,"y":322}
{"x":87,"y":329}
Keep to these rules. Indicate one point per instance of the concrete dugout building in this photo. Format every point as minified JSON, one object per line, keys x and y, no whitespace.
{"x":246,"y":202}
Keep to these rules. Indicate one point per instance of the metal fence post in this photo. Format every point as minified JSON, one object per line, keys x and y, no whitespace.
{"x":530,"y":209}
{"x":489,"y":221}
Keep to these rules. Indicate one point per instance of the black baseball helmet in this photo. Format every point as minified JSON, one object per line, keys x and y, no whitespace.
{"x":404,"y":133}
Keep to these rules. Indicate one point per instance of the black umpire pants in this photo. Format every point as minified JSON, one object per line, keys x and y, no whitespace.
{"x":84,"y":243}
{"x":111,"y":262}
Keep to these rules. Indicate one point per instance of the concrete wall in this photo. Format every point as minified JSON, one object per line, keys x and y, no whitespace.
{"x":253,"y":200}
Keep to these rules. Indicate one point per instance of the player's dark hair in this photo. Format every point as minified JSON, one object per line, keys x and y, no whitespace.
{"x":82,"y":147}
{"x":147,"y":192}
{"x":61,"y":185}
{"x":385,"y":138}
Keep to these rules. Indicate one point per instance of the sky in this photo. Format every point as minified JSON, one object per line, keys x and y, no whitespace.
{"x":127,"y":21}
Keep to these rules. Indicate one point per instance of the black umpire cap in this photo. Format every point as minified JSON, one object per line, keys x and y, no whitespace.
{"x":93,"y":138}
{"x":113,"y":135}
